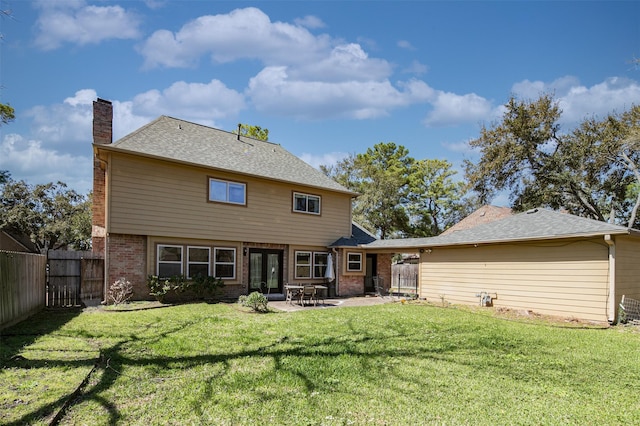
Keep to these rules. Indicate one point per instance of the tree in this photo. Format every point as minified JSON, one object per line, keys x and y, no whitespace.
{"x":5,"y":176}
{"x":51,"y":215}
{"x":436,"y":200}
{"x":7,"y":113}
{"x":586,"y":172}
{"x":381,"y":177}
{"x":255,"y":132}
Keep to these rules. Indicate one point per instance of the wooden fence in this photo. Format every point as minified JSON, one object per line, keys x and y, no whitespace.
{"x":75,"y":278}
{"x":404,"y":278}
{"x":22,"y":286}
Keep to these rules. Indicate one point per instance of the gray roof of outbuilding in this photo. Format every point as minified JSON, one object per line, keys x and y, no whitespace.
{"x":172,"y":139}
{"x":536,"y":224}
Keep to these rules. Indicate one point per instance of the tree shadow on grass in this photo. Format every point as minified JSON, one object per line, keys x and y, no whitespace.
{"x":370,"y":347}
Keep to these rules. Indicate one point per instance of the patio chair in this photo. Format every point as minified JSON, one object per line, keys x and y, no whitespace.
{"x":308,"y":293}
{"x":291,"y":294}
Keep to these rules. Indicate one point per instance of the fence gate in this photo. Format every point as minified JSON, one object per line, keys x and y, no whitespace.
{"x":74,"y":278}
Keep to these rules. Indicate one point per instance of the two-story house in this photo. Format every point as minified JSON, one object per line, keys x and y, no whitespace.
{"x":179,"y":198}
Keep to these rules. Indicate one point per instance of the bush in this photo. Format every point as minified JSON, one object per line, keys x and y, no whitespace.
{"x":200,"y":285}
{"x":120,"y":291}
{"x":256,"y":301}
{"x":159,"y":287}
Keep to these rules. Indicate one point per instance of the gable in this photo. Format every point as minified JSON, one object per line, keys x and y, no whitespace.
{"x":181,"y":141}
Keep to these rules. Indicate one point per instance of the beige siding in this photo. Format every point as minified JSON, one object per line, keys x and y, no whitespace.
{"x":627,"y":267}
{"x":164,"y":199}
{"x":567,"y":279}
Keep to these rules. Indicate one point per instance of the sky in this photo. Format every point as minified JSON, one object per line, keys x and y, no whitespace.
{"x":327,"y":78}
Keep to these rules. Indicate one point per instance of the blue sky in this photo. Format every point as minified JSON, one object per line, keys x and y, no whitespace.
{"x":327,"y":78}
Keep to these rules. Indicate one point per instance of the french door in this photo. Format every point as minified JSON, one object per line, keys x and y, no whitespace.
{"x":265,"y":270}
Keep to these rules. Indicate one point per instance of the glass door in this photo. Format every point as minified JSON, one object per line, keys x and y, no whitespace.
{"x":265,"y":270}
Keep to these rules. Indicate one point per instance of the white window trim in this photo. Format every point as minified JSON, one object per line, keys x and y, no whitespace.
{"x":307,"y":203}
{"x":208,"y":262}
{"x":326,"y":265}
{"x":227,"y":200}
{"x":310,"y":265}
{"x":349,"y":269}
{"x":233,"y":263}
{"x":181,"y":262}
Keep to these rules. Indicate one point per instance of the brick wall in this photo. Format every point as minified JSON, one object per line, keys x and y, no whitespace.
{"x":351,"y":285}
{"x":383,"y":267}
{"x":127,"y":258}
{"x":102,"y":134}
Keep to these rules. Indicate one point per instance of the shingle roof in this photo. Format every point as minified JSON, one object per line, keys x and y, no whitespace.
{"x":182,"y":141}
{"x":484,"y":214}
{"x":536,"y":224}
{"x":359,"y":236}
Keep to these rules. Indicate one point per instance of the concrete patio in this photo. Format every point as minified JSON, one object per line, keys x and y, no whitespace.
{"x":341,"y":302}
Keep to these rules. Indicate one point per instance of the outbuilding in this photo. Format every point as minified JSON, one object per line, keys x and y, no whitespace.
{"x":541,"y":260}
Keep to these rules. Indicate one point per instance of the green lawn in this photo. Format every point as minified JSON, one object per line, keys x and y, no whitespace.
{"x":380,"y":365}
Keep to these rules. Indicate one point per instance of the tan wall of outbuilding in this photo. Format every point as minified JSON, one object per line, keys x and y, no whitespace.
{"x":567,"y":278}
{"x":627,"y":268}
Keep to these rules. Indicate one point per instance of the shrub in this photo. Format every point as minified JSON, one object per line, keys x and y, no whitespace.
{"x":120,"y":291}
{"x":200,"y":285}
{"x":159,"y":287}
{"x":256,"y":301}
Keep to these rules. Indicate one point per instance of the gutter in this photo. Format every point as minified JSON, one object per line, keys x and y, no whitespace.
{"x":611,"y":308}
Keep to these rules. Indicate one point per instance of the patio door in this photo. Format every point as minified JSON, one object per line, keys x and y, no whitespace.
{"x":371,"y":271}
{"x":265,"y":270}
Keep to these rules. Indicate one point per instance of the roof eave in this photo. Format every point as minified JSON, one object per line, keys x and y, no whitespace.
{"x":111,"y":148}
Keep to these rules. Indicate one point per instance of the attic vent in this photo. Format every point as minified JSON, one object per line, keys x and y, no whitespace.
{"x":532,"y":211}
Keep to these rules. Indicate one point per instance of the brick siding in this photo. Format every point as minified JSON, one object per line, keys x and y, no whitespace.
{"x":127,"y":259}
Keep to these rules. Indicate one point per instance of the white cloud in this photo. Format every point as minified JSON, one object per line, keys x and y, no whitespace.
{"x":76,"y":22}
{"x":310,"y":21}
{"x":452,"y":109}
{"x":328,"y":159}
{"x":197,"y":101}
{"x":241,"y":34}
{"x":404,"y":44}
{"x":578,"y":101}
{"x":274,"y":91}
{"x":345,"y":62}
{"x":416,"y":68}
{"x":23,"y":157}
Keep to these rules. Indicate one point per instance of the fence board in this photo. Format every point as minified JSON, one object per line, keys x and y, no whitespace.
{"x":404,"y":278}
{"x":75,"y":277}
{"x":22,"y":286}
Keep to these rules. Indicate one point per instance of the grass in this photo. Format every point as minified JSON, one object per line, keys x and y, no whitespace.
{"x":382,"y":365}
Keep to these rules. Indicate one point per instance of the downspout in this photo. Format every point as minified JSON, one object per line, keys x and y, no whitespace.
{"x":336,"y":255}
{"x":107,"y":171}
{"x":611,"y":309}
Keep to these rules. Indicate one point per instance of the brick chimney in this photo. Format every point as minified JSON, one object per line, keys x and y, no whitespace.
{"x":102,"y":135}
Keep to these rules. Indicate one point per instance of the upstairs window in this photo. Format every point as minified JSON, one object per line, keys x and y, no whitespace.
{"x":306,"y":203}
{"x":223,"y":191}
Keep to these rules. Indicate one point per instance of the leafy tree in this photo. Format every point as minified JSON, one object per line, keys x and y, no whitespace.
{"x":401,"y":197}
{"x":381,"y":176}
{"x":587,"y":171}
{"x":4,"y":176}
{"x":7,"y":113}
{"x":50,"y":214}
{"x":436,"y":200}
{"x":255,"y":132}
